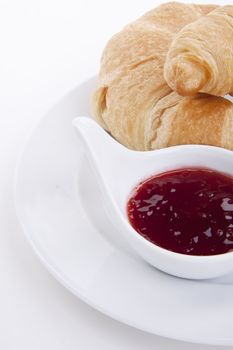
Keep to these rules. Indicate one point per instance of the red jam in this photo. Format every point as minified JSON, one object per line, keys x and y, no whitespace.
{"x":188,"y":211}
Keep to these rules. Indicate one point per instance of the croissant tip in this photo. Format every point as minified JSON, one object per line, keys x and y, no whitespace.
{"x":185,"y":77}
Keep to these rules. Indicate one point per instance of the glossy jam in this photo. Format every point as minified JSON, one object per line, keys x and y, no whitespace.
{"x":188,"y":211}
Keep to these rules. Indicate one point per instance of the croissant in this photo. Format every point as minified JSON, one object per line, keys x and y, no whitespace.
{"x":133,"y":101}
{"x":200,"y":58}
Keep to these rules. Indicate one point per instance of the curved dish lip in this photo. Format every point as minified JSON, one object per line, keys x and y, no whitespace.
{"x":131,"y":233}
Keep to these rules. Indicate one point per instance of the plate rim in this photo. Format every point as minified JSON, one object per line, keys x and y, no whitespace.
{"x":58,"y":276}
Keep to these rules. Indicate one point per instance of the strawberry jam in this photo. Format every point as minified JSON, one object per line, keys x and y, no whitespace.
{"x":188,"y":211}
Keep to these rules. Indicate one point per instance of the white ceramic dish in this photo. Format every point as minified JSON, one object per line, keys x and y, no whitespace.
{"x":61,"y":210}
{"x":119,"y":170}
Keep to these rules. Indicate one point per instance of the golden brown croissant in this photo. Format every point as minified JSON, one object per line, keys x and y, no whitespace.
{"x":133,"y":101}
{"x":200,"y":58}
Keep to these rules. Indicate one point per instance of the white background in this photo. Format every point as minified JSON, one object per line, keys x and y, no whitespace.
{"x":47,"y":48}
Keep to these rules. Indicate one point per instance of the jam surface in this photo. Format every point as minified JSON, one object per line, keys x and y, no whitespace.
{"x":188,"y":211}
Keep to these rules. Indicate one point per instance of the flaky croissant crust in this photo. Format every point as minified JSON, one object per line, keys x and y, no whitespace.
{"x":200,"y":58}
{"x":133,"y":101}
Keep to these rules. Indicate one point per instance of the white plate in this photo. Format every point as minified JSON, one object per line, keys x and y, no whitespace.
{"x":61,"y":211}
